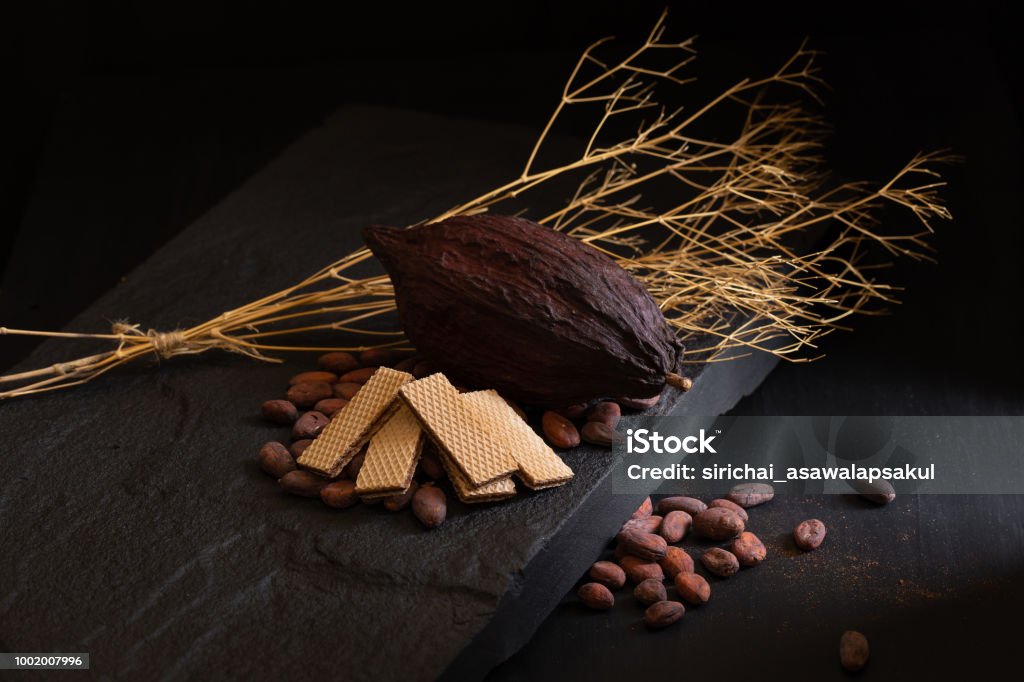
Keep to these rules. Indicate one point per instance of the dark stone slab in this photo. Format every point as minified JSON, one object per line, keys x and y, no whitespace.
{"x":137,"y":527}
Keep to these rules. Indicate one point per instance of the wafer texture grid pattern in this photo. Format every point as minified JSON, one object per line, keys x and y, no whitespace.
{"x":392,"y":455}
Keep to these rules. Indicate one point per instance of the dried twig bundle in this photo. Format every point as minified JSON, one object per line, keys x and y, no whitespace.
{"x":739,"y":241}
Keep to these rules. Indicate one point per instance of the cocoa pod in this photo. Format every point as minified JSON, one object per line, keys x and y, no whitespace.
{"x":674,"y":526}
{"x":749,"y":549}
{"x":559,"y":431}
{"x":608,"y":574}
{"x":351,"y":470}
{"x":809,"y":534}
{"x":309,"y":425}
{"x":328,"y":406}
{"x":339,"y":494}
{"x":693,"y":588}
{"x":298,"y":447}
{"x":638,"y":570}
{"x":596,"y":596}
{"x":646,"y":508}
{"x":722,"y":563}
{"x":313,"y":377}
{"x":279,"y":412}
{"x":639,"y":403}
{"x":380,"y":357}
{"x":599,"y":434}
{"x":430,"y":506}
{"x":430,"y":466}
{"x":718,"y":523}
{"x":302,"y":483}
{"x":572,"y":411}
{"x":402,"y":500}
{"x":749,"y":495}
{"x":606,"y":412}
{"x":650,"y":591}
{"x":646,"y":546}
{"x":309,"y":393}
{"x":529,"y":311}
{"x":676,"y":561}
{"x":275,"y":459}
{"x":346,"y":389}
{"x":879,"y":492}
{"x":690,"y":505}
{"x":732,"y":506}
{"x":853,"y":650}
{"x":663,"y":613}
{"x":358,"y":376}
{"x":338,"y":362}
{"x":649,"y":524}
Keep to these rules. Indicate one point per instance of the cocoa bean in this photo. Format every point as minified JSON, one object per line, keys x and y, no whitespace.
{"x":674,"y":526}
{"x":732,"y":506}
{"x":430,"y":506}
{"x":853,"y":650}
{"x":720,"y":562}
{"x":309,"y":393}
{"x":749,"y":549}
{"x":879,"y":492}
{"x":339,"y":494}
{"x":298,"y":447}
{"x":749,"y":495}
{"x":690,"y":505}
{"x":346,"y":389}
{"x":380,"y":357}
{"x":338,"y":362}
{"x":351,"y":470}
{"x":309,"y":425}
{"x":646,"y":546}
{"x":650,"y":524}
{"x":560,"y":432}
{"x":606,"y":412}
{"x":639,"y":403}
{"x":424,"y":368}
{"x":407,"y":365}
{"x":572,"y":411}
{"x":718,"y":523}
{"x":599,"y":434}
{"x":676,"y":561}
{"x":809,"y":534}
{"x":302,"y":483}
{"x":646,"y":508}
{"x":358,"y":376}
{"x":650,"y":591}
{"x":608,"y":574}
{"x":313,"y":377}
{"x":402,"y":500}
{"x":430,"y":466}
{"x":638,"y":570}
{"x":663,"y":613}
{"x":275,"y":459}
{"x":328,"y":406}
{"x":693,"y":588}
{"x":596,"y":596}
{"x":279,"y":412}
{"x":515,"y":408}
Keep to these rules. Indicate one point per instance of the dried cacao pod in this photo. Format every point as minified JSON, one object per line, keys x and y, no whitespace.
{"x":505,"y":303}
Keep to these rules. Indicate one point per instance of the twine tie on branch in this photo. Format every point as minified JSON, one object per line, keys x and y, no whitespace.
{"x":167,"y":343}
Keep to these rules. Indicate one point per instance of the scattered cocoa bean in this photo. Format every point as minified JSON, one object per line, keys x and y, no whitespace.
{"x":596,"y":596}
{"x":338,"y":362}
{"x":690,"y":505}
{"x":646,"y":546}
{"x":329,"y":406}
{"x":515,"y":408}
{"x":424,"y":368}
{"x":298,"y":447}
{"x":646,"y":508}
{"x":693,"y":588}
{"x":559,"y":431}
{"x":638,"y":570}
{"x":407,"y":365}
{"x":720,"y":562}
{"x":608,"y":574}
{"x":599,"y":434}
{"x":663,"y":613}
{"x":279,"y":412}
{"x":809,"y":534}
{"x":879,"y":492}
{"x":853,"y":650}
{"x":572,"y":411}
{"x":430,"y":506}
{"x":313,"y":377}
{"x":430,"y":466}
{"x":309,"y":425}
{"x":718,"y":523}
{"x":729,"y":504}
{"x":749,"y":549}
{"x":302,"y":483}
{"x":605,"y":412}
{"x":674,"y":526}
{"x":402,"y":500}
{"x":676,"y":561}
{"x":749,"y":495}
{"x":275,"y":459}
{"x":358,"y":376}
{"x":380,"y":357}
{"x":650,"y":591}
{"x":639,"y":403}
{"x":650,"y":524}
{"x":309,"y":393}
{"x":346,"y":389}
{"x":339,"y":494}
{"x":351,"y":470}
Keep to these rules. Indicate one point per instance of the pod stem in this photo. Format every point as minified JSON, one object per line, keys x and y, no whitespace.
{"x":678,"y":381}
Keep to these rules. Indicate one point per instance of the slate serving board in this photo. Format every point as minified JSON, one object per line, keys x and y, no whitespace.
{"x":137,"y":527}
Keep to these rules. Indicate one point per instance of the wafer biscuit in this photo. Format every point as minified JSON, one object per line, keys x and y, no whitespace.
{"x":539,"y":466}
{"x":501,"y":489}
{"x":458,"y":430}
{"x":391,"y":457}
{"x":342,"y":438}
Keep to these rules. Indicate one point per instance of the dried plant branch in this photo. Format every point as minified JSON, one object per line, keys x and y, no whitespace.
{"x":737,"y":239}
